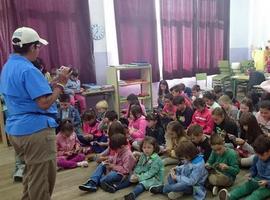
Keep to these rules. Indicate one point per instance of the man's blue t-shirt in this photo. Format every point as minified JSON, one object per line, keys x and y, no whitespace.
{"x":21,"y":83}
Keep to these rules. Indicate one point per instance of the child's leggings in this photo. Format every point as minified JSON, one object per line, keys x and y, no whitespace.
{"x":69,"y":163}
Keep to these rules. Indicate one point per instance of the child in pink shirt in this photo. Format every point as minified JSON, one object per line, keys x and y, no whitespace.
{"x":169,"y":110}
{"x":133,"y":100}
{"x":202,"y":116}
{"x":92,"y":135}
{"x":111,"y":172}
{"x":68,"y":147}
{"x":137,"y":125}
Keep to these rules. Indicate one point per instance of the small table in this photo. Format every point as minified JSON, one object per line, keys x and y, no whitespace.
{"x":236,"y":79}
{"x":104,"y":92}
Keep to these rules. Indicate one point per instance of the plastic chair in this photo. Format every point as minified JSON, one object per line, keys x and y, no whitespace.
{"x":223,"y":79}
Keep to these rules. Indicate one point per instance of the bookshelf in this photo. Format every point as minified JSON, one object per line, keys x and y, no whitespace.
{"x":144,"y":81}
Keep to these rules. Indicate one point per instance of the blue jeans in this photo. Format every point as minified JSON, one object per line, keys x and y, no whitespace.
{"x":126,"y":183}
{"x":110,"y":178}
{"x":173,"y":186}
{"x":138,"y":189}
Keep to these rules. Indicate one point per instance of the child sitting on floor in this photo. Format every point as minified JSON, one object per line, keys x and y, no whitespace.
{"x":112,"y":171}
{"x":149,"y":171}
{"x":177,"y":91}
{"x":137,"y":126}
{"x":245,"y":106}
{"x":218,"y":92}
{"x":258,"y":184}
{"x":222,"y":164}
{"x":110,"y":117}
{"x":210,"y":101}
{"x":196,"y":92}
{"x":183,"y":113}
{"x":154,"y":129}
{"x":102,"y":108}
{"x":132,"y":99}
{"x":188,"y":178}
{"x":263,"y":117}
{"x":163,"y":89}
{"x":68,"y":147}
{"x":226,"y":103}
{"x":73,"y":88}
{"x":175,"y":133}
{"x":195,"y":132}
{"x":115,"y":127}
{"x":67,"y":111}
{"x":169,"y":110}
{"x":250,"y":130}
{"x":92,"y":136}
{"x":225,"y":126}
{"x":202,"y":116}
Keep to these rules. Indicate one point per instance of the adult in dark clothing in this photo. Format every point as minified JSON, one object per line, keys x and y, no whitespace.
{"x":255,"y":78}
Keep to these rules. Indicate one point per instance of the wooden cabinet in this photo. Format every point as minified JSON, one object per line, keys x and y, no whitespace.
{"x":144,"y":81}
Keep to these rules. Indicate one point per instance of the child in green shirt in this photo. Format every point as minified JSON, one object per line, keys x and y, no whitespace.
{"x":222,"y":164}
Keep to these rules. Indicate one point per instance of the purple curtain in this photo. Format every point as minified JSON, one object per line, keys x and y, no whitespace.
{"x":195,"y":35}
{"x":213,"y":34}
{"x":137,"y":33}
{"x":177,"y":31}
{"x":64,"y":23}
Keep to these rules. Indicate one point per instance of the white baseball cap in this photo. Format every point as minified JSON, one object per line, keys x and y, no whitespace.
{"x":26,"y":35}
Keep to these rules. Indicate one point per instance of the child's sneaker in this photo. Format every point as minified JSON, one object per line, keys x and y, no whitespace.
{"x":175,"y":195}
{"x":215,"y":190}
{"x":82,"y":164}
{"x":156,"y":189}
{"x":223,"y":194}
{"x":89,"y":186}
{"x":107,"y":187}
{"x":129,"y":196}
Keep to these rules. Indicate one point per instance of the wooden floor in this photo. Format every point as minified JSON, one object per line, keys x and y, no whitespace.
{"x":67,"y":182}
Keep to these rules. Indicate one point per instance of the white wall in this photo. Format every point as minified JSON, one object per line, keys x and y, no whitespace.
{"x":96,"y":8}
{"x":239,"y":30}
{"x":259,"y":23}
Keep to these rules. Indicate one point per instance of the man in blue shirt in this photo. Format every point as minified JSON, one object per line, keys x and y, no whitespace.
{"x":30,"y":123}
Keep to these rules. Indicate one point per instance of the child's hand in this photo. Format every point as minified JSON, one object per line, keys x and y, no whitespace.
{"x":69,"y":153}
{"x":100,"y":159}
{"x":248,"y":176}
{"x":173,"y":175}
{"x":134,"y":178}
{"x":77,"y":150}
{"x":263,"y":183}
{"x":239,"y":141}
{"x":207,"y":166}
{"x":223,"y":166}
{"x":88,"y":137}
{"x":110,"y":166}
